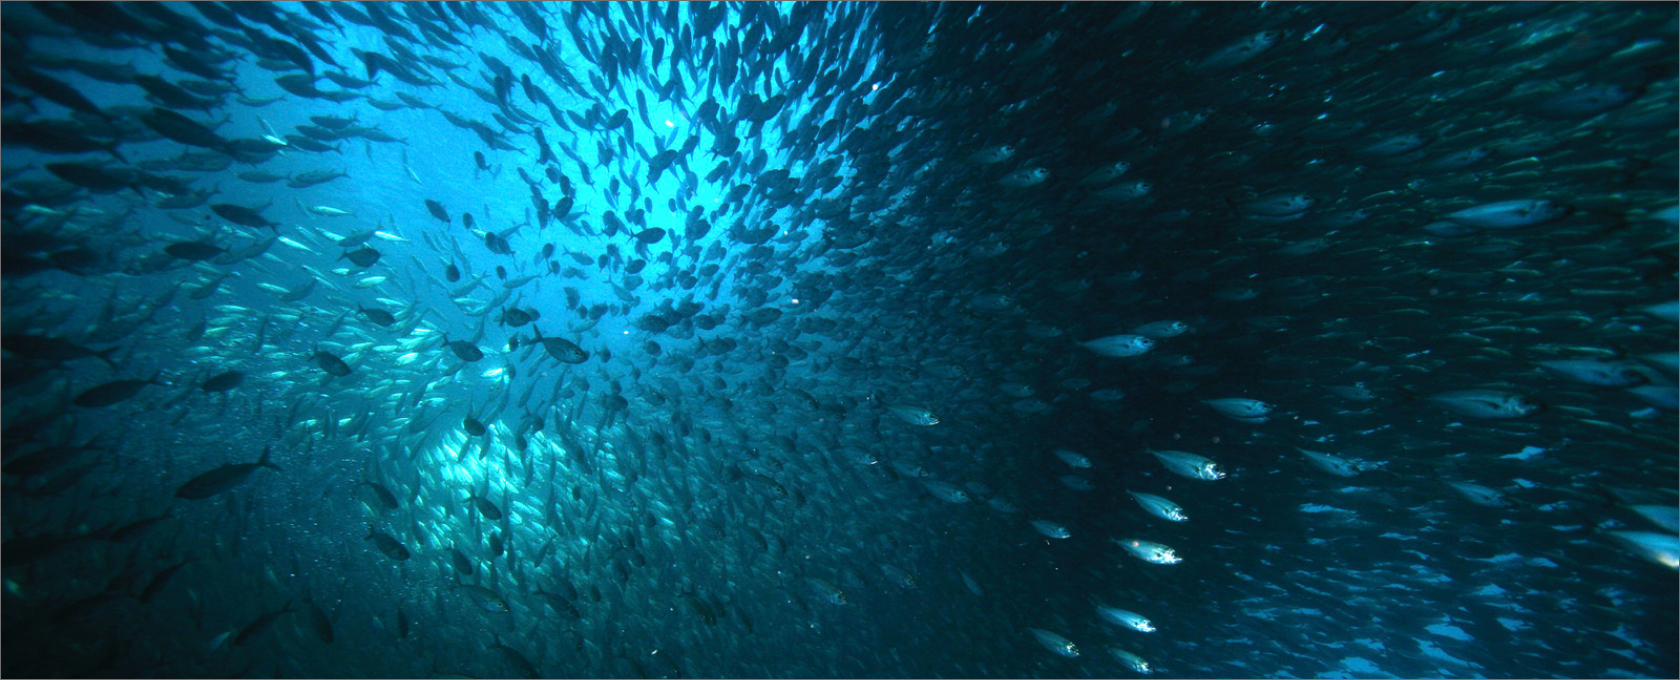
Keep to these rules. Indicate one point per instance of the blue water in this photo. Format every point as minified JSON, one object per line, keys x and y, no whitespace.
{"x":813,"y":435}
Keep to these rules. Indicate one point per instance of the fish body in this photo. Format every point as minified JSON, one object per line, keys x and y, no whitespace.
{"x":1073,"y":459}
{"x":386,"y":544}
{"x":333,"y":365}
{"x":915,"y":415}
{"x":1663,"y":549}
{"x":260,"y":625}
{"x":993,"y":154}
{"x":1665,"y":516}
{"x":1246,"y":410}
{"x":1189,"y":465}
{"x":1159,"y":507}
{"x":223,"y":382}
{"x":1126,"y":619}
{"x":465,"y":351}
{"x":1595,"y":372}
{"x":243,"y":216}
{"x":1149,"y":551}
{"x":485,"y":598}
{"x":1278,"y":205}
{"x":1105,"y":174}
{"x":437,"y":210}
{"x":1024,"y":178}
{"x":1336,"y":465}
{"x":945,"y":492}
{"x":1051,"y":529}
{"x":1161,"y":330}
{"x":1238,"y":52}
{"x":1120,"y":345}
{"x":1491,"y":404}
{"x":1055,"y":643}
{"x":1509,"y":214}
{"x":223,"y":479}
{"x":826,"y":590}
{"x":1132,"y":661}
{"x":1481,"y":495}
{"x":112,"y":393}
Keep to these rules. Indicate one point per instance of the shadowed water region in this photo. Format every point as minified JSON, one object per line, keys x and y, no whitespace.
{"x":839,"y":340}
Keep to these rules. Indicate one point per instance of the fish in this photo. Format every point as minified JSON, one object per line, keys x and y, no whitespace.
{"x":113,"y":392}
{"x":1050,"y":529}
{"x":1073,"y":460}
{"x":223,"y":479}
{"x":464,"y":350}
{"x":179,"y":128}
{"x":1106,"y":174}
{"x":1594,"y":372}
{"x":484,"y":598}
{"x":1481,"y":495}
{"x":329,"y":211}
{"x":1161,"y":330}
{"x":993,"y":154}
{"x":1158,"y":506}
{"x":320,"y":622}
{"x":52,"y":348}
{"x":330,"y":363}
{"x":1239,"y":409}
{"x":379,"y":317}
{"x":1021,"y":179}
{"x":437,"y":210}
{"x":193,"y":251}
{"x":945,"y":491}
{"x":1126,"y":619}
{"x":1661,"y":548}
{"x":222,"y":382}
{"x":1336,"y":465}
{"x":1237,"y":53}
{"x":363,"y":257}
{"x":261,"y":625}
{"x":1189,"y":465}
{"x":827,"y":591}
{"x":913,"y":414}
{"x":1490,"y":404}
{"x":1149,"y":551}
{"x":243,"y":216}
{"x":1130,"y":660}
{"x":1509,"y":214}
{"x":388,"y":545}
{"x":159,"y":581}
{"x":1055,"y":643}
{"x":1124,"y":345}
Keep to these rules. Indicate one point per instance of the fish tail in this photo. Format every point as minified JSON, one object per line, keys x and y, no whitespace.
{"x":263,"y":461}
{"x":106,"y":357}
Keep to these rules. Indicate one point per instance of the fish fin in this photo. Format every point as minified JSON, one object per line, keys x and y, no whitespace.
{"x":106,"y":357}
{"x":263,"y":461}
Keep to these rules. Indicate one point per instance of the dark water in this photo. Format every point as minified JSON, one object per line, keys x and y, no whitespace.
{"x":815,"y":392}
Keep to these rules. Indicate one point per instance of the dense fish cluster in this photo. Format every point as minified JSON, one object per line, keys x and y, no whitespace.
{"x":839,"y":339}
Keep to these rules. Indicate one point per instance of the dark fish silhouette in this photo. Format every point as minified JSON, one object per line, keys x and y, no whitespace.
{"x":222,"y":479}
{"x":243,"y":216}
{"x":437,"y":210}
{"x":114,"y":392}
{"x":223,"y":382}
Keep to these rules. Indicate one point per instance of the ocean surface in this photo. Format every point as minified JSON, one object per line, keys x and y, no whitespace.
{"x":1274,"y":340}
